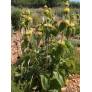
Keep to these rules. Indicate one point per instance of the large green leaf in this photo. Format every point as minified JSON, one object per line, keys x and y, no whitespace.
{"x":45,"y":82}
{"x":56,"y":82}
{"x":58,"y":77}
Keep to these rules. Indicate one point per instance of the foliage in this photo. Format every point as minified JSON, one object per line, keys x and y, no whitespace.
{"x":15,"y":17}
{"x":36,"y":3}
{"x":21,"y":18}
{"x":48,"y":55}
{"x":75,"y":4}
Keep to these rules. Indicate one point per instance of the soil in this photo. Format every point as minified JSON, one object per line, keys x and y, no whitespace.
{"x":73,"y":84}
{"x":15,"y":47}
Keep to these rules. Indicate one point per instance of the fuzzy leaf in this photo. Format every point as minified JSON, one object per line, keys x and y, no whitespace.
{"x":44,"y":82}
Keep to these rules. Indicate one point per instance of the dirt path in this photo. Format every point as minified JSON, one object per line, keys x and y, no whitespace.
{"x":73,"y":84}
{"x":15,"y":47}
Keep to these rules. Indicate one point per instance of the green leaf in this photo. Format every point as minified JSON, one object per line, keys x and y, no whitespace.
{"x":62,"y":26}
{"x":58,"y":77}
{"x":44,"y":82}
{"x":57,"y":80}
{"x":15,"y":88}
{"x":71,"y":65}
{"x":31,"y":80}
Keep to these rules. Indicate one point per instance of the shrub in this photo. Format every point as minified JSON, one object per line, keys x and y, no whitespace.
{"x":48,"y":56}
{"x":21,"y":18}
{"x":15,"y":18}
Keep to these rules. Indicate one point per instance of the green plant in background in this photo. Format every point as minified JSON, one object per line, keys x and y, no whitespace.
{"x":25,"y":18}
{"x":48,"y":56}
{"x":15,"y":17}
{"x":21,"y":18}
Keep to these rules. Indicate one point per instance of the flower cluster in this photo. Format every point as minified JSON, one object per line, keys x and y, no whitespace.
{"x":47,"y":11}
{"x":66,"y":9}
{"x":25,"y":17}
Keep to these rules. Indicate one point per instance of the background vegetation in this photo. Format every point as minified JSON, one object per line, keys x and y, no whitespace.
{"x":39,"y":3}
{"x":49,"y":45}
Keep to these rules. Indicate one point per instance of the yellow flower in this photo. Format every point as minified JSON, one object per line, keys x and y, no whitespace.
{"x":25,"y":11}
{"x":66,"y":10}
{"x":29,"y":18}
{"x":29,"y":32}
{"x":72,"y":24}
{"x":46,"y":25}
{"x":46,"y":11}
{"x":49,"y":25}
{"x":61,"y":42}
{"x":67,"y":22}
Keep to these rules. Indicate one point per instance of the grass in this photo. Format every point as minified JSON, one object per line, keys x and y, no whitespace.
{"x":57,"y":10}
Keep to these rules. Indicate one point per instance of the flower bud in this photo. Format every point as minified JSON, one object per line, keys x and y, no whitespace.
{"x":66,"y":10}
